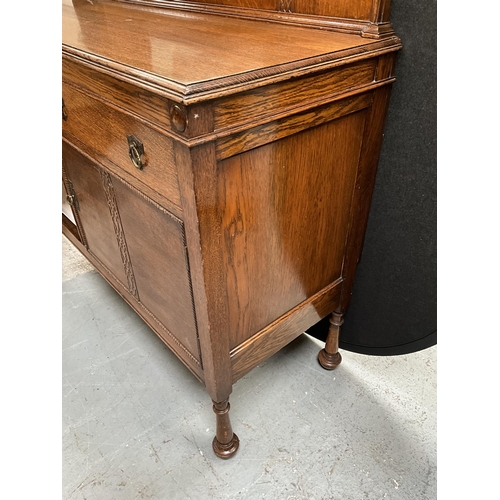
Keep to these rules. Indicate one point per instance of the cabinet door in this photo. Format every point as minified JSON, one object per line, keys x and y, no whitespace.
{"x":141,"y":244}
{"x":91,"y":203}
{"x":66,"y":206}
{"x":157,"y":249}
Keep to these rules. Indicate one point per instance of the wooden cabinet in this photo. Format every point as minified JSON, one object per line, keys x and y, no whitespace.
{"x":218,"y":164}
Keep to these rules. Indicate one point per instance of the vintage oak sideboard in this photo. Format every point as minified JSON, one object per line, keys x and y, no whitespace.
{"x":218,"y":162}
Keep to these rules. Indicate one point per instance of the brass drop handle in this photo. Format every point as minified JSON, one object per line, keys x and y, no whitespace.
{"x":72,"y":199}
{"x":136,"y":151}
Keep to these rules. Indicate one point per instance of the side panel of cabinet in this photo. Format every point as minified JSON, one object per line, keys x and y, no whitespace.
{"x":285,"y":209}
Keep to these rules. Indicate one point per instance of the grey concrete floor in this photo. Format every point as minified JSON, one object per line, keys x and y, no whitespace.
{"x":138,"y":425}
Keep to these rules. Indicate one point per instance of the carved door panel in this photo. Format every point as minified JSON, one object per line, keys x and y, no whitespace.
{"x":140,"y":244}
{"x":92,"y":202}
{"x":157,"y":248}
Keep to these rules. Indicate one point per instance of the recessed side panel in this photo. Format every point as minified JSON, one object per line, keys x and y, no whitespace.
{"x":284,"y":211}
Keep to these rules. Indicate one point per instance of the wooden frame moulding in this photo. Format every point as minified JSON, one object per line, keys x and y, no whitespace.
{"x":374,"y":24}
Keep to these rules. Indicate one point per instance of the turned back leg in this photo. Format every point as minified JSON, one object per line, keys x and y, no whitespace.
{"x":329,"y":357}
{"x":225,"y":442}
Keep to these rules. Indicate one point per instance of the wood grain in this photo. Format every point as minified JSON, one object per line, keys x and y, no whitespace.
{"x":380,"y":11}
{"x":66,"y":208}
{"x":259,"y":103}
{"x":69,"y":226}
{"x":73,"y":221}
{"x":261,"y":138}
{"x":154,"y":45}
{"x":142,"y":102}
{"x":284,"y":211}
{"x":340,"y":8}
{"x":105,"y":129}
{"x":104,"y":163}
{"x":155,"y":240}
{"x":93,"y":210}
{"x":275,"y":336}
{"x":329,"y":357}
{"x":156,"y":274}
{"x":225,"y":443}
{"x":284,"y":127}
{"x":161,"y":41}
{"x":370,"y":28}
{"x":215,"y":343}
{"x":169,"y":340}
{"x":348,"y":9}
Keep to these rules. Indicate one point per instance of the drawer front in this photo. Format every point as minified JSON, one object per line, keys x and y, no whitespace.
{"x":110,"y":133}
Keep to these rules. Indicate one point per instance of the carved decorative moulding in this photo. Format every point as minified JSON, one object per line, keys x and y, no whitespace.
{"x":368,"y":18}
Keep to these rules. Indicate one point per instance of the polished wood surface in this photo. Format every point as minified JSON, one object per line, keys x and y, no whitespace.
{"x":104,"y":129}
{"x":339,"y":8}
{"x":93,"y":211}
{"x":163,"y":41}
{"x":266,"y":133}
{"x":173,"y":51}
{"x":292,"y":95}
{"x":156,"y":244}
{"x":218,"y":170}
{"x":363,"y":17}
{"x":249,"y":354}
{"x":163,"y":334}
{"x":329,"y":357}
{"x":261,"y":215}
{"x":226,"y":442}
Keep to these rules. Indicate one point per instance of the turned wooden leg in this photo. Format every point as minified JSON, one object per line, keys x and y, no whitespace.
{"x":225,"y":442}
{"x":329,"y":357}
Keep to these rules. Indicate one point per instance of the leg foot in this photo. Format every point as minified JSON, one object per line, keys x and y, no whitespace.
{"x":329,"y":357}
{"x":225,"y":442}
{"x":329,"y":361}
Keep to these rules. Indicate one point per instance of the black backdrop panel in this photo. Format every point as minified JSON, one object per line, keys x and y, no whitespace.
{"x":394,"y":302}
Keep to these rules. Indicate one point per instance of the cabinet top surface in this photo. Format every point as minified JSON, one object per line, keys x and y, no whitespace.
{"x":189,"y":48}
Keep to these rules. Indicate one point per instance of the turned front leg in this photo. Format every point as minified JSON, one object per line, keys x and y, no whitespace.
{"x":225,"y":442}
{"x":329,"y":357}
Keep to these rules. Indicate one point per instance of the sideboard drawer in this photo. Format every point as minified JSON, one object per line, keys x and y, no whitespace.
{"x":117,"y":137}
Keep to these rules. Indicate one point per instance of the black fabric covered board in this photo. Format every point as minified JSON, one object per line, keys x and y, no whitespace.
{"x":394,"y":303}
